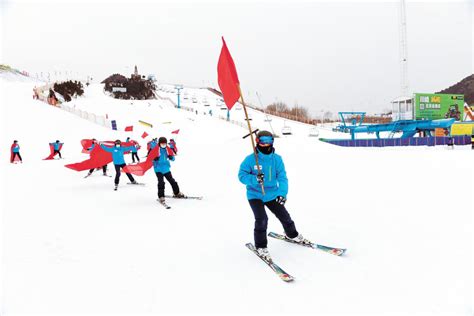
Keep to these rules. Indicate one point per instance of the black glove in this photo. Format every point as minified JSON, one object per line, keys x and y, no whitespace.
{"x":260,"y":178}
{"x":280,"y":200}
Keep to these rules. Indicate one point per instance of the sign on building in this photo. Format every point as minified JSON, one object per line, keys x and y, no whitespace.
{"x":119,"y":89}
{"x":439,"y":106}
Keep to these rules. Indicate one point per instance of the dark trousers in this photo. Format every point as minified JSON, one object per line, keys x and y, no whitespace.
{"x":104,"y":169}
{"x":161,"y":183}
{"x":261,"y":220}
{"x":133,"y":157}
{"x":117,"y":174}
{"x":16,"y":154}
{"x":58,"y":152}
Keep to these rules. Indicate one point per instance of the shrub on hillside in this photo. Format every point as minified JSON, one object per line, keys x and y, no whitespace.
{"x":69,"y":89}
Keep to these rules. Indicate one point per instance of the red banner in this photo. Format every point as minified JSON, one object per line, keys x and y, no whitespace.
{"x":227,"y":77}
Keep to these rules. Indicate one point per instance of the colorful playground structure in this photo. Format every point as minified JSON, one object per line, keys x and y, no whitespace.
{"x":435,"y":118}
{"x":408,"y":128}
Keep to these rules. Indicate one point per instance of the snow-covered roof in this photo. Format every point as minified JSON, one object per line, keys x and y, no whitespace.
{"x":402,"y":98}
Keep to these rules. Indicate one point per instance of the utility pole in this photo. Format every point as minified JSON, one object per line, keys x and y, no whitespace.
{"x":179,"y":88}
{"x":403,"y":51}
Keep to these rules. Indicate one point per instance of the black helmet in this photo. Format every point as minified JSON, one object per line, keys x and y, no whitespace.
{"x":57,"y":141}
{"x":162,"y":140}
{"x":118,"y":142}
{"x":262,"y":134}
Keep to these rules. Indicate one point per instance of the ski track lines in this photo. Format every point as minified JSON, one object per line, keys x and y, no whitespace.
{"x":73,"y":245}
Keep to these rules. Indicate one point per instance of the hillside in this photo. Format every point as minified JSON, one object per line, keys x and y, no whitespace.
{"x":465,"y":86}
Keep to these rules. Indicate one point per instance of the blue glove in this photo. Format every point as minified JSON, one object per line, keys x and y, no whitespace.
{"x":280,"y":200}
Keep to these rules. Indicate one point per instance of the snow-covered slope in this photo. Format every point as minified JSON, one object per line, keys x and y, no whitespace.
{"x":74,"y":246}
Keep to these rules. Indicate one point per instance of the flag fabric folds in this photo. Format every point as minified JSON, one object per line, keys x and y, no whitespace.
{"x":129,"y":129}
{"x":98,"y":156}
{"x":144,"y":135}
{"x":140,"y":168}
{"x":52,"y":154}
{"x":227,"y":77}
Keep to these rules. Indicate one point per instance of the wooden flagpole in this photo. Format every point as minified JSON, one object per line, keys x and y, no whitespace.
{"x":251,"y":137}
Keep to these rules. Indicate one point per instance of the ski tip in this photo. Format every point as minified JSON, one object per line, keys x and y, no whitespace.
{"x":287,"y":278}
{"x":250,"y":246}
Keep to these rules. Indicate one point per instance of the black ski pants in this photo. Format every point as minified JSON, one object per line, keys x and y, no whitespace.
{"x":133,"y":157}
{"x":104,"y":169}
{"x":58,"y":152}
{"x":261,"y":220}
{"x":117,"y":174}
{"x":16,"y":154}
{"x":161,"y":183}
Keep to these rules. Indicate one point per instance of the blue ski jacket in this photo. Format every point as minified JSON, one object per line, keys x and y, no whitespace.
{"x":16,"y":148}
{"x":56,"y":145}
{"x":117,"y":153}
{"x":161,"y":163}
{"x":275,"y":180}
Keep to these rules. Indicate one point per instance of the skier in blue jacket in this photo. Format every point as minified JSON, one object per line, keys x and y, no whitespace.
{"x":162,"y":166}
{"x":56,"y":145}
{"x":273,"y":177}
{"x":135,"y":151}
{"x":153,"y":144}
{"x":119,"y":162}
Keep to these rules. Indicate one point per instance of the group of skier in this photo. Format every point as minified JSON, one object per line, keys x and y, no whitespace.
{"x":263,"y":173}
{"x":161,"y":164}
{"x":15,"y":151}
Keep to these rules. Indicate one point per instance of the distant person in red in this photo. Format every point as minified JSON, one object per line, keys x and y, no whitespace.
{"x":15,"y":151}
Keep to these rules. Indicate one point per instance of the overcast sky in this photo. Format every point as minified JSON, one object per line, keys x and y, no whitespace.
{"x":331,"y":55}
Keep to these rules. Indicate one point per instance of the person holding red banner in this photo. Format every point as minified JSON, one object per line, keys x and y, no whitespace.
{"x":57,"y":148}
{"x":15,"y":152}
{"x":173,"y":146}
{"x":162,"y":166}
{"x":119,"y":162}
{"x":152,"y":145}
{"x":135,"y":149}
{"x":104,"y":167}
{"x":273,"y":177}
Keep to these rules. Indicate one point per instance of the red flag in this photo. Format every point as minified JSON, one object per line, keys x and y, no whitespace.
{"x":129,"y":129}
{"x":98,"y":158}
{"x":145,"y":134}
{"x":175,"y":132}
{"x":227,"y":77}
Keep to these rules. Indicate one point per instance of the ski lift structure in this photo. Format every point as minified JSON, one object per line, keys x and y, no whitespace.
{"x":286,"y":130}
{"x":267,"y":118}
{"x":349,"y":121}
{"x":313,"y":132}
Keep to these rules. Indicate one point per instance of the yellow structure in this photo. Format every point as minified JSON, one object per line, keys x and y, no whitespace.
{"x":462,"y":128}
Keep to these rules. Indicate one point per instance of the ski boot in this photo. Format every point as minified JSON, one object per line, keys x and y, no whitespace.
{"x":263,"y":252}
{"x":300,"y":239}
{"x":179,"y":195}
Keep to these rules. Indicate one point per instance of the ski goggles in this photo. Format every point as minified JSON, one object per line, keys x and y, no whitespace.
{"x":265,"y":140}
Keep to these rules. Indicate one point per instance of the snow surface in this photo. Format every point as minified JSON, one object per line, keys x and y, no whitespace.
{"x":74,"y":246}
